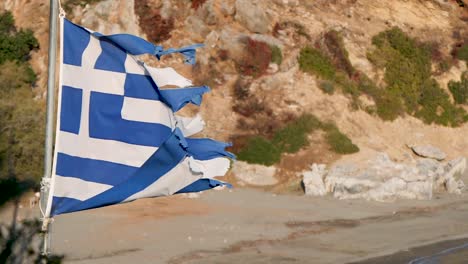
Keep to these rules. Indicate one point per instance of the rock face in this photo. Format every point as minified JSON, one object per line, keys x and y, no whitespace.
{"x":313,"y":180}
{"x":254,"y":174}
{"x":252,"y":16}
{"x":429,"y":151}
{"x":385,"y":180}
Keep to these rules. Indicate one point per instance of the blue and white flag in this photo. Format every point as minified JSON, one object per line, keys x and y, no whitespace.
{"x":117,"y":136}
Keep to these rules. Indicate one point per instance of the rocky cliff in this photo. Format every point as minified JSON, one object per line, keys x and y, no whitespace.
{"x":250,"y":60}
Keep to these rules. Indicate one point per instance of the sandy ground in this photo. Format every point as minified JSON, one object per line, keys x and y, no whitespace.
{"x":252,"y":226}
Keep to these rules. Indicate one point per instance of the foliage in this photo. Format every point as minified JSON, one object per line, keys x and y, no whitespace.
{"x":462,"y":53}
{"x":260,"y":150}
{"x":291,"y":138}
{"x":459,"y":89}
{"x":14,"y":45}
{"x":256,"y":59}
{"x":410,"y":86}
{"x":327,"y":87}
{"x":314,"y":61}
{"x":437,"y":108}
{"x":21,"y":118}
{"x":21,"y":122}
{"x":339,"y":55}
{"x":276,"y":55}
{"x":340,"y":143}
{"x":156,"y":28}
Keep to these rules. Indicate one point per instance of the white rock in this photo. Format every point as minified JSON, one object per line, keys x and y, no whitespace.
{"x":451,"y":177}
{"x":429,"y":151}
{"x":313,"y":180}
{"x":254,"y":174}
{"x":382,"y":180}
{"x":252,"y":16}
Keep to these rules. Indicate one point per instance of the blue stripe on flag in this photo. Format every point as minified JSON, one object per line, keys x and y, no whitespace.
{"x":202,"y":185}
{"x":70,"y":115}
{"x":105,"y":122}
{"x":162,"y":161}
{"x":141,"y":86}
{"x":205,"y":148}
{"x":75,"y":41}
{"x":60,"y":204}
{"x":99,"y":171}
{"x":178,"y":98}
{"x":112,"y":58}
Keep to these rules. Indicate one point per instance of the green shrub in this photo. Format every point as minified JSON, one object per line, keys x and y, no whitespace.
{"x":21,"y":117}
{"x":293,"y":136}
{"x":410,"y":87}
{"x":327,"y":87}
{"x":21,"y":123}
{"x":276,"y":55}
{"x":462,"y":53}
{"x":437,"y":108}
{"x":312,"y":60}
{"x":459,"y":89}
{"x":14,"y":45}
{"x":339,"y":142}
{"x":259,"y":150}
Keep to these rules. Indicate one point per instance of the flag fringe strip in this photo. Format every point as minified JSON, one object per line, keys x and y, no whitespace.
{"x":201,"y":158}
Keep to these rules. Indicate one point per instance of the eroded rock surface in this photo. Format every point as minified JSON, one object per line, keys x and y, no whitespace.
{"x":254,"y":174}
{"x":385,"y":180}
{"x":429,"y":151}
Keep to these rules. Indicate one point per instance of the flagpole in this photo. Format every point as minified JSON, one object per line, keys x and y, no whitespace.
{"x":49,"y":131}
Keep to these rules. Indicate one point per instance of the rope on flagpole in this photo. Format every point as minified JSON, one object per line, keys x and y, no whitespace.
{"x":45,"y":183}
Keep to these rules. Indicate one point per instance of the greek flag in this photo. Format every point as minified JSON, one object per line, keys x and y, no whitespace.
{"x":117,"y":137}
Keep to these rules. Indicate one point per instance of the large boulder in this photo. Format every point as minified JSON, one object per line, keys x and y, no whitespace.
{"x":382,"y":179}
{"x":254,"y":174}
{"x":428,"y":151}
{"x":313,"y":180}
{"x":251,"y":15}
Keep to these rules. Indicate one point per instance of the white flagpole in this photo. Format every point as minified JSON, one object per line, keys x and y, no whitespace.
{"x":45,"y":184}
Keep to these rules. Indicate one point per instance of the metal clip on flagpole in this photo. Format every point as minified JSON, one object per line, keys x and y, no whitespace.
{"x":45,"y":184}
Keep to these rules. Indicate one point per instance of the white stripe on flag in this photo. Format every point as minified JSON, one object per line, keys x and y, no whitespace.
{"x":93,"y":79}
{"x":132,"y":66}
{"x":102,"y":149}
{"x":79,"y":189}
{"x":190,"y":126}
{"x":183,"y":175}
{"x":91,"y":53}
{"x":150,"y":111}
{"x":168,"y":76}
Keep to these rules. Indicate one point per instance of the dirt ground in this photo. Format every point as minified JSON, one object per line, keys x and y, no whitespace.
{"x":255,"y":226}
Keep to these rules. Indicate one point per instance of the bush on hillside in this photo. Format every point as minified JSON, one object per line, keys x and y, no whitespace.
{"x":257,"y":58}
{"x":276,"y":55}
{"x":14,"y":44}
{"x":314,"y":61}
{"x":259,"y":150}
{"x":459,"y":89}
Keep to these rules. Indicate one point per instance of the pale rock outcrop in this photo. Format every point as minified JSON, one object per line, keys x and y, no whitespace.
{"x":313,"y":180}
{"x":254,"y":174}
{"x":195,"y":25}
{"x":385,"y":180}
{"x":429,"y":151}
{"x":253,"y":16}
